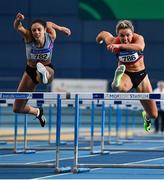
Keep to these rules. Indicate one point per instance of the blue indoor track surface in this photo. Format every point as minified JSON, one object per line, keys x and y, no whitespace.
{"x":66,"y":159}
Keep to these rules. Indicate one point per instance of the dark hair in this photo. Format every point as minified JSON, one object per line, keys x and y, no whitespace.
{"x":43,"y":23}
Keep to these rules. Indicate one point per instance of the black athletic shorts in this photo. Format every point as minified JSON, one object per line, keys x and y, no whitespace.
{"x":136,"y":77}
{"x":32,"y":72}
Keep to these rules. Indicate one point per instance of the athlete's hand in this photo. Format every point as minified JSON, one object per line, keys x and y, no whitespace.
{"x":65,"y":30}
{"x":99,"y":38}
{"x":114,"y":48}
{"x":19,"y":17}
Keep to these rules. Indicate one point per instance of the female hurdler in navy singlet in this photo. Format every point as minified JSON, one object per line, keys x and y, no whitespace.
{"x":39,"y":39}
{"x":130,"y":73}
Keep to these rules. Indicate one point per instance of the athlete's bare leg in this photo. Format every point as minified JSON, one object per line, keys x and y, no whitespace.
{"x":148,"y":105}
{"x":26,"y":85}
{"x":20,"y":106}
{"x":121,"y":81}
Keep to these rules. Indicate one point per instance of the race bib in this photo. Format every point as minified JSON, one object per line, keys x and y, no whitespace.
{"x":44,"y":56}
{"x":128,"y":57}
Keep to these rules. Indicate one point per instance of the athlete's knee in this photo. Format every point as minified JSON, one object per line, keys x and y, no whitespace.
{"x":16,"y":109}
{"x":118,"y":88}
{"x":153,"y":114}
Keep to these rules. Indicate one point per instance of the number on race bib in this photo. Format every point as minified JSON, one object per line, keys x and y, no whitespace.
{"x":41,"y":56}
{"x":129,"y":58}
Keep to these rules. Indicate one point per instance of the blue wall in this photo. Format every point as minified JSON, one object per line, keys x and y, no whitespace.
{"x":77,"y":56}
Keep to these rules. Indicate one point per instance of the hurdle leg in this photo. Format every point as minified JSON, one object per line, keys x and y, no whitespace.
{"x":16,"y":150}
{"x":126,"y":123}
{"x":16,"y":135}
{"x":49,"y":123}
{"x":92,"y":129}
{"x":118,"y":125}
{"x":103,"y":129}
{"x":25,"y":136}
{"x":134,"y":123}
{"x":127,"y":137}
{"x":75,"y":168}
{"x":58,"y":134}
{"x":1,"y":141}
{"x":50,"y":126}
{"x":109,"y":123}
{"x":92,"y":126}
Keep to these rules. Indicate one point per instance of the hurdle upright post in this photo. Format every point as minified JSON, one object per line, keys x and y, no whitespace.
{"x":92,"y":126}
{"x":1,"y":141}
{"x":58,"y":134}
{"x":109,"y":123}
{"x":76,"y":134}
{"x":49,"y":123}
{"x":25,"y":132}
{"x":126,"y":122}
{"x":15,"y":133}
{"x":58,"y":127}
{"x":75,"y":168}
{"x":92,"y":151}
{"x":103,"y":128}
{"x":26,"y":150}
{"x":118,"y":124}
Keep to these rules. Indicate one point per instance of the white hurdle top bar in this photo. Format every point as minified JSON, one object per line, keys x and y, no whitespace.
{"x":84,"y":96}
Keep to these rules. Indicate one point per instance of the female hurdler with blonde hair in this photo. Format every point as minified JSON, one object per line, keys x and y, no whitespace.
{"x":130,"y":73}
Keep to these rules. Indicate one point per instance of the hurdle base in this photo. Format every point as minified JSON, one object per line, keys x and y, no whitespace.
{"x":24,"y":151}
{"x":62,"y":170}
{"x":115,"y":143}
{"x":76,"y":170}
{"x":99,"y":152}
{"x":54,"y":142}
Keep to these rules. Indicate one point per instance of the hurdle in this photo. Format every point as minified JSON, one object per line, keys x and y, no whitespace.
{"x":76,"y":97}
{"x":1,"y":141}
{"x":77,"y":167}
{"x":50,"y":103}
{"x":24,"y":149}
{"x":40,"y":96}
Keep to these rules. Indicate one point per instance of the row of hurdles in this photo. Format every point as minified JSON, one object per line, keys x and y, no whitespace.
{"x":102,"y":100}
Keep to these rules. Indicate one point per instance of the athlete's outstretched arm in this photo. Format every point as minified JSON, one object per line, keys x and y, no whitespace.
{"x":18,"y":26}
{"x":137,"y":45}
{"x":52,"y":27}
{"x":106,"y":37}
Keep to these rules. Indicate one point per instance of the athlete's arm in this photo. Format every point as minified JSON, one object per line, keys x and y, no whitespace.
{"x":18,"y":26}
{"x":52,"y":27}
{"x":51,"y":31}
{"x":137,"y":45}
{"x":106,"y":37}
